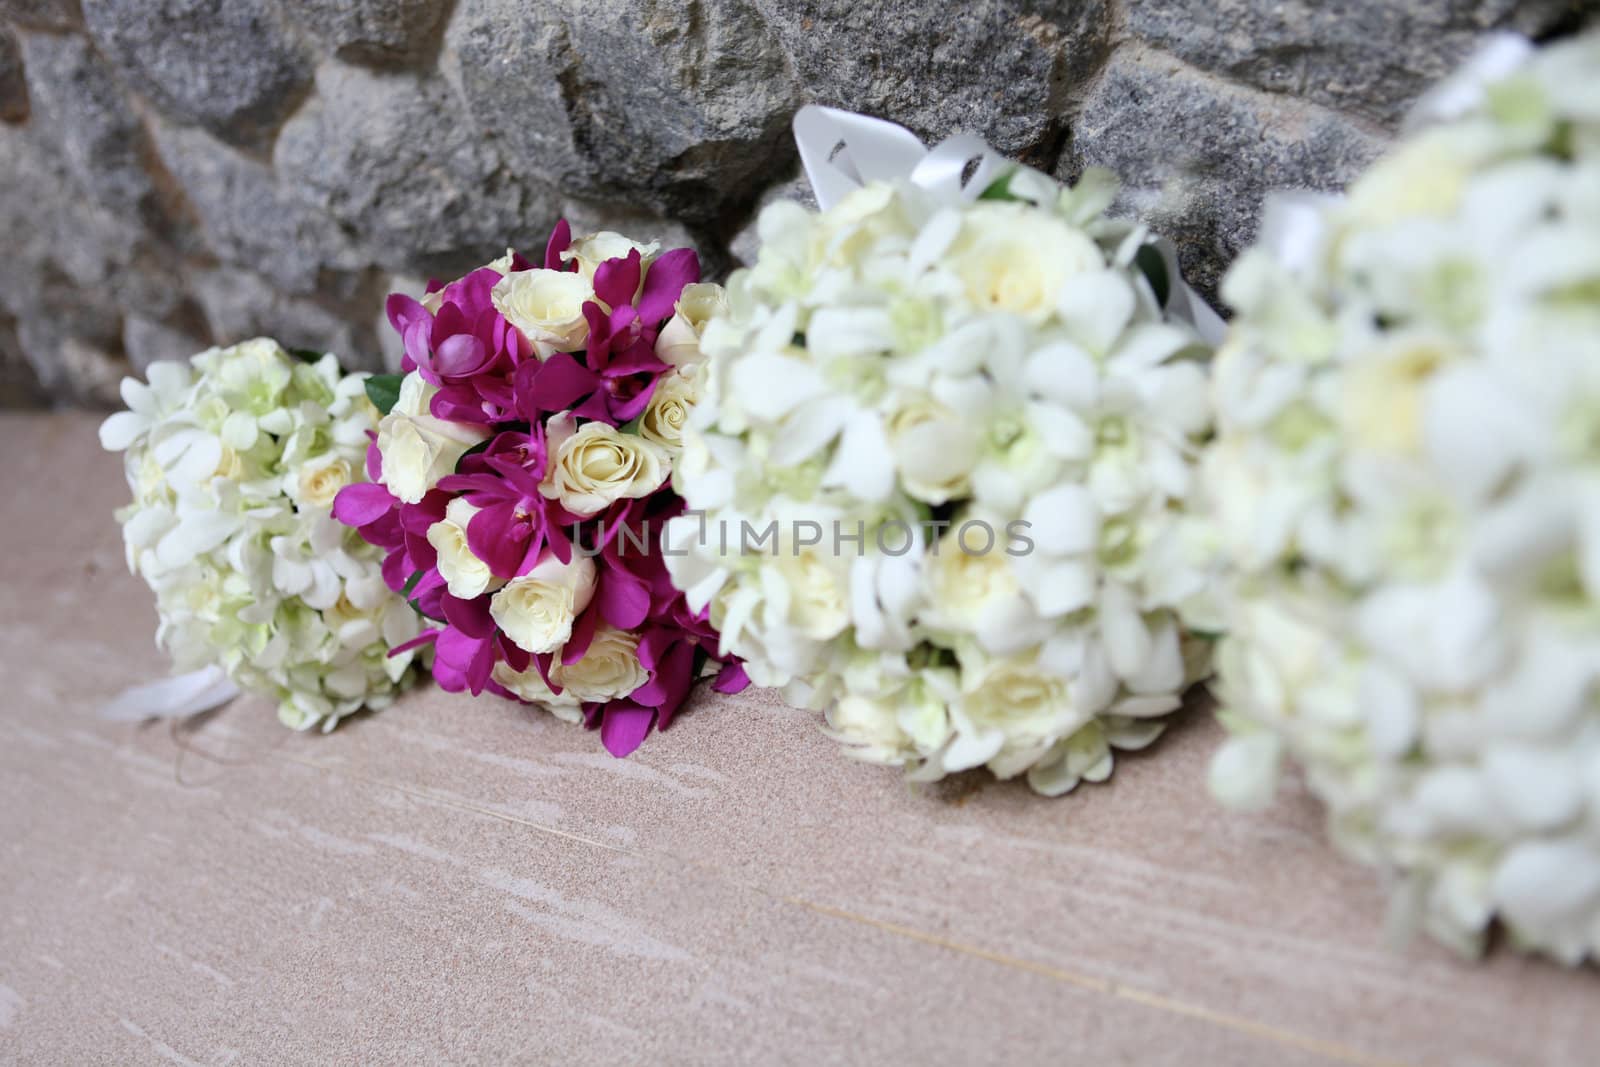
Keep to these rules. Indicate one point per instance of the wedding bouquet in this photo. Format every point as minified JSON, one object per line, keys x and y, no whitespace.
{"x":521,"y":480}
{"x":234,"y":460}
{"x":1406,"y":488}
{"x":938,"y":472}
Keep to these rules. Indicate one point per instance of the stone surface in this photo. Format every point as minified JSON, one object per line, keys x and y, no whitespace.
{"x":43,"y":14}
{"x":145,"y":341}
{"x":1002,"y":69}
{"x":394,"y":160}
{"x":80,"y":105}
{"x":13,"y":83}
{"x":1197,"y":155}
{"x":228,"y":65}
{"x":378,"y":32}
{"x":683,"y":104}
{"x":239,"y":305}
{"x":247,"y":218}
{"x":1370,"y":57}
{"x":463,"y":881}
{"x":182,"y":166}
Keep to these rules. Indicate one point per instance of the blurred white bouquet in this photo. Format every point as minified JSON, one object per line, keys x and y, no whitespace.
{"x":943,"y":455}
{"x":234,"y":460}
{"x":1406,"y":487}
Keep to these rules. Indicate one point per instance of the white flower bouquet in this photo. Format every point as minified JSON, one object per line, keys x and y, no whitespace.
{"x":937,"y":478}
{"x":234,"y":460}
{"x":1406,"y":491}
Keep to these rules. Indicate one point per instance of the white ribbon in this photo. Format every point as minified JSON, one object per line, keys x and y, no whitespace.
{"x":177,"y":697}
{"x":841,"y":151}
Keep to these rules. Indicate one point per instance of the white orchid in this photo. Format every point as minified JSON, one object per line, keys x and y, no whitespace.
{"x":233,"y":460}
{"x":971,"y":430}
{"x":1406,"y":491}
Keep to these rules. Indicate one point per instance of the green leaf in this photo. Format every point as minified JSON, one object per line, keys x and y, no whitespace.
{"x":1000,"y":188}
{"x":384,"y":391}
{"x":631,"y":426}
{"x":411,"y":583}
{"x":306,"y":355}
{"x":1149,"y":262}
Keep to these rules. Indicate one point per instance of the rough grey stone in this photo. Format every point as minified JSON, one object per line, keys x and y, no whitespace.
{"x":81,"y":107}
{"x":19,"y":385}
{"x":1196,"y":154}
{"x":376,"y":32}
{"x":43,"y":14}
{"x":13,"y":84}
{"x":395,"y":161}
{"x":1002,"y":69}
{"x":239,"y":305}
{"x":1371,"y":57}
{"x":227,"y":65}
{"x":146,"y":341}
{"x":682,"y":104}
{"x":248,"y":220}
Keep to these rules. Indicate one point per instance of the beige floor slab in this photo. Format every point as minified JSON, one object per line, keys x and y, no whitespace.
{"x":467,"y":881}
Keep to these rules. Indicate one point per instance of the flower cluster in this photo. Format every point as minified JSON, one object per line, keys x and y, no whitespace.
{"x":1406,"y":491}
{"x":522,"y":480}
{"x":234,"y":460}
{"x":941,"y":461}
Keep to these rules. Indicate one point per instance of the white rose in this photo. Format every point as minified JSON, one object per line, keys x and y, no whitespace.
{"x":537,"y":610}
{"x":668,"y":412}
{"x":319,"y":482}
{"x":934,"y":448}
{"x":416,"y":395}
{"x":1015,"y":258}
{"x":530,"y":686}
{"x":1027,"y":706}
{"x":966,"y":590}
{"x":595,"y":466}
{"x":596,"y":248}
{"x":870,"y":726}
{"x":610,"y":668}
{"x":547,"y":306}
{"x":418,"y":450}
{"x":464,"y":574}
{"x":679,"y":340}
{"x":819,"y":605}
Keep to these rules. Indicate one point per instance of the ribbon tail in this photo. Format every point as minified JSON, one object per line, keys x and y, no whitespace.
{"x":1183,"y":303}
{"x":171,"y":698}
{"x":873,"y":150}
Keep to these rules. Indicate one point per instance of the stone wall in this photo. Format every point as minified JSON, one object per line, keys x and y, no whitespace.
{"x":175,"y":173}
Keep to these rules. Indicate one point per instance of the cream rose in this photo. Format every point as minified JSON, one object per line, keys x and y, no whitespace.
{"x":679,"y":340}
{"x":596,"y":248}
{"x":1015,"y":258}
{"x":418,"y":450}
{"x":320,"y":480}
{"x":1028,"y":705}
{"x":818,"y":596}
{"x":934,"y":448}
{"x":871,"y":726}
{"x":530,"y":685}
{"x":610,"y":667}
{"x":547,"y":306}
{"x":595,"y":466}
{"x":464,"y":574}
{"x":964,"y":587}
{"x":537,"y":610}
{"x":663,"y":421}
{"x":416,"y":395}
